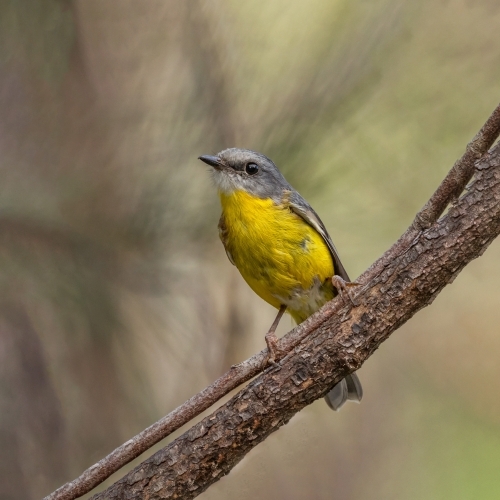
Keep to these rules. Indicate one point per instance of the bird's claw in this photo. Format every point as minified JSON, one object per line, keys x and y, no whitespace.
{"x":272,"y":350}
{"x":342,"y":287}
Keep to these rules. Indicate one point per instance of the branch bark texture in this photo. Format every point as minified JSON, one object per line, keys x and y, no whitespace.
{"x":449,"y":190}
{"x":338,"y":345}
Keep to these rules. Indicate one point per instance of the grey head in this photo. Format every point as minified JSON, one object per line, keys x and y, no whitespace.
{"x":242,"y":169}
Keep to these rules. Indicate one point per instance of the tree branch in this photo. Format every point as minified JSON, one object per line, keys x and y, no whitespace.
{"x":210,"y":449}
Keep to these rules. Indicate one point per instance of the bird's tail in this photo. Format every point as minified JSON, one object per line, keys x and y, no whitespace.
{"x":348,"y":389}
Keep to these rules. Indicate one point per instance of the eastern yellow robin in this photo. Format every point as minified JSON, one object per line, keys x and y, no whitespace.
{"x":279,"y":245}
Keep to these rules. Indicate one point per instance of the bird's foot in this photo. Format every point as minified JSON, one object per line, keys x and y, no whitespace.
{"x":272,"y":349}
{"x":343,"y":288}
{"x":272,"y":340}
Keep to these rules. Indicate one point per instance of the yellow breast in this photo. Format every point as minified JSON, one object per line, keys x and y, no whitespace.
{"x":281,"y":257}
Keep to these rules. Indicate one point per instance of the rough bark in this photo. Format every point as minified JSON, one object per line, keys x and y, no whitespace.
{"x":447,"y":192}
{"x":338,"y":346}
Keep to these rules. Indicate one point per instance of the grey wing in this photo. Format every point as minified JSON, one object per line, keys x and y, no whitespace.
{"x":300,"y":206}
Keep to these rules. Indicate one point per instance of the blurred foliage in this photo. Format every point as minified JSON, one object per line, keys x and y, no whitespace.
{"x":117,"y":301}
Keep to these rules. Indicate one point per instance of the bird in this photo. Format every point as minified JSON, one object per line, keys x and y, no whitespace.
{"x":279,"y":245}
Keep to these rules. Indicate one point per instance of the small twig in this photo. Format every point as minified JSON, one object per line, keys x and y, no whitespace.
{"x":448,"y":191}
{"x":454,"y":183}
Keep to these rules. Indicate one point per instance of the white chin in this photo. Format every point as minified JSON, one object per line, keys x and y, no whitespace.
{"x":223,"y":182}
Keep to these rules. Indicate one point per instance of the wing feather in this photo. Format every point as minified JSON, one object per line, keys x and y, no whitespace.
{"x":300,"y":206}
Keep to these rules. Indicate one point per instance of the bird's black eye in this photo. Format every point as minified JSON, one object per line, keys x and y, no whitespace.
{"x":251,"y":168}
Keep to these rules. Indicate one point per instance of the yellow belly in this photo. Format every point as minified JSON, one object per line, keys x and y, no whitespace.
{"x":281,"y":257}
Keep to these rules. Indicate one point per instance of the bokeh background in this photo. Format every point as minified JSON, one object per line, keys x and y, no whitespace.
{"x":117,"y":301}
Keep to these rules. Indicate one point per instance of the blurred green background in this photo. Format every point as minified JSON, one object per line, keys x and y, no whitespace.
{"x":117,"y":301}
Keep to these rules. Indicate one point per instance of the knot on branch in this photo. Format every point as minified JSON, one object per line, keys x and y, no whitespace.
{"x":423,"y":220}
{"x":475,"y":149}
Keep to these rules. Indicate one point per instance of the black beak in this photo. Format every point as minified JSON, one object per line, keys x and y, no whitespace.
{"x":213,"y":161}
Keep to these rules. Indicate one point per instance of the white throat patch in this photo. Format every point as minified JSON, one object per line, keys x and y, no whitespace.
{"x":225,"y":182}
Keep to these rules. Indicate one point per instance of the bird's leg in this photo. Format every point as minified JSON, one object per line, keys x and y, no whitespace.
{"x":342,"y":287}
{"x":271,"y":339}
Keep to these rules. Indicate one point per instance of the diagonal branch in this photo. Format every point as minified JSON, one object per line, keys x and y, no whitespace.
{"x":412,"y":280}
{"x":452,"y":185}
{"x":447,"y":192}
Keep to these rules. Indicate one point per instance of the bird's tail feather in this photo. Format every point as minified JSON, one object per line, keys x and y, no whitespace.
{"x":348,"y":389}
